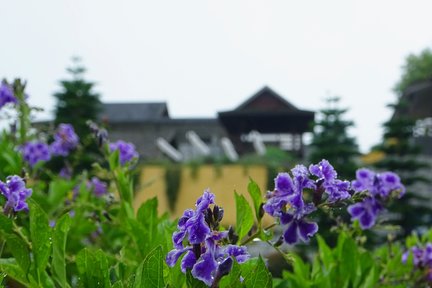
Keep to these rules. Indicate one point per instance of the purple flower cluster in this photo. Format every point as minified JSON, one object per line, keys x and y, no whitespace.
{"x":33,"y":152}
{"x":66,"y":172}
{"x":126,"y":150}
{"x":336,"y":189}
{"x":378,"y":188}
{"x":16,"y":194}
{"x":65,"y":140}
{"x":204,"y":253}
{"x":98,"y":187}
{"x":286,"y":201}
{"x":422,"y":259}
{"x":6,"y":95}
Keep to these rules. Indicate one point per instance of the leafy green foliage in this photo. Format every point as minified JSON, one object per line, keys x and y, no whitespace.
{"x":72,"y":237}
{"x":150,"y":272}
{"x":258,"y":276}
{"x":346,"y":265}
{"x":417,"y":68}
{"x":244,"y":216}
{"x":58,"y":262}
{"x":93,"y":268}
{"x":255,"y":193}
{"x":40,"y":234}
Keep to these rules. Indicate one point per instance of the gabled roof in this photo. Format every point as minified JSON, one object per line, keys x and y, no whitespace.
{"x":133,"y":112}
{"x":266,"y":100}
{"x":267,"y":112}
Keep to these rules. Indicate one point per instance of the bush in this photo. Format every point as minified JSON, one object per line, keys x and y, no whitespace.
{"x":80,"y":229}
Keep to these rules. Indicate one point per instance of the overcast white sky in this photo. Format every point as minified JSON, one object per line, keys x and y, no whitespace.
{"x":208,"y":56}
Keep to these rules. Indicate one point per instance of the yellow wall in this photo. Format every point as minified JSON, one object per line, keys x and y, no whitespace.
{"x":222,"y":182}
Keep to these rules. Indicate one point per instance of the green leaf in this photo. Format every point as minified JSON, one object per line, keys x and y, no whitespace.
{"x":6,"y":224}
{"x":371,"y":279}
{"x":349,"y":259}
{"x":232,"y":280}
{"x":191,"y":282}
{"x":259,"y":277}
{"x":325,"y":253}
{"x":138,"y":235}
{"x":114,"y":159}
{"x":117,"y":284}
{"x":301,"y":269}
{"x":176,"y":277}
{"x":59,"y":245}
{"x":10,"y":268}
{"x":244,"y":216}
{"x":58,"y":190}
{"x":125,"y":186}
{"x":147,"y":216}
{"x":20,"y":251}
{"x":255,"y":193}
{"x":40,"y":234}
{"x":92,"y":268}
{"x":150,"y":271}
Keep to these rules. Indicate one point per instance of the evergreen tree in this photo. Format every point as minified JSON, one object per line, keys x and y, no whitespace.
{"x":331,"y":140}
{"x":77,"y":103}
{"x":401,"y":155}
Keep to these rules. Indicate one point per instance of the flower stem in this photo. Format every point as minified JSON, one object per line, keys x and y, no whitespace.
{"x":257,"y":233}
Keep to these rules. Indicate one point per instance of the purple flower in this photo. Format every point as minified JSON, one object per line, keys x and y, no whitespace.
{"x":378,"y":188}
{"x":52,"y":223}
{"x":127,"y":151}
{"x":66,"y":172}
{"x":336,"y":189}
{"x":33,"y":152}
{"x":99,"y":187}
{"x":297,"y":229}
{"x":286,"y":203}
{"x":378,"y":185}
{"x":422,"y":259}
{"x":101,"y":134}
{"x":16,"y":194}
{"x":288,"y":193}
{"x":6,"y":95}
{"x":65,"y":140}
{"x":366,"y":212}
{"x":204,"y":255}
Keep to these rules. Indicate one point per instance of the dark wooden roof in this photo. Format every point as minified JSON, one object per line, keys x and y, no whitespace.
{"x":267,"y":112}
{"x":133,"y":112}
{"x":266,"y":100}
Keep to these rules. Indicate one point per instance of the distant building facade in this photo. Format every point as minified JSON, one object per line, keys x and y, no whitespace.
{"x":278,"y":122}
{"x":418,"y":100}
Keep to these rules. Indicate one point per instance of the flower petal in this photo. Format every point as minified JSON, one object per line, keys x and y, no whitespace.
{"x":205,"y":268}
{"x":307,"y":230}
{"x":290,"y":234}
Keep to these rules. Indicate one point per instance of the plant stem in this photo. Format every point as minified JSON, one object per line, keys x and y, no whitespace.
{"x":17,"y":230}
{"x":257,"y":233}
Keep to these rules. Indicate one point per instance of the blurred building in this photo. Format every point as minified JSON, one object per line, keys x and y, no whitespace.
{"x":277,"y":121}
{"x":418,"y":100}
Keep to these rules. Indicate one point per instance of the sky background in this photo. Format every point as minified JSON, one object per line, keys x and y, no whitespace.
{"x":208,"y":56}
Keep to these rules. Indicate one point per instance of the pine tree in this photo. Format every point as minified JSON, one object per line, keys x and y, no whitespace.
{"x":77,"y":103}
{"x":401,"y":155}
{"x":331,"y":140}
